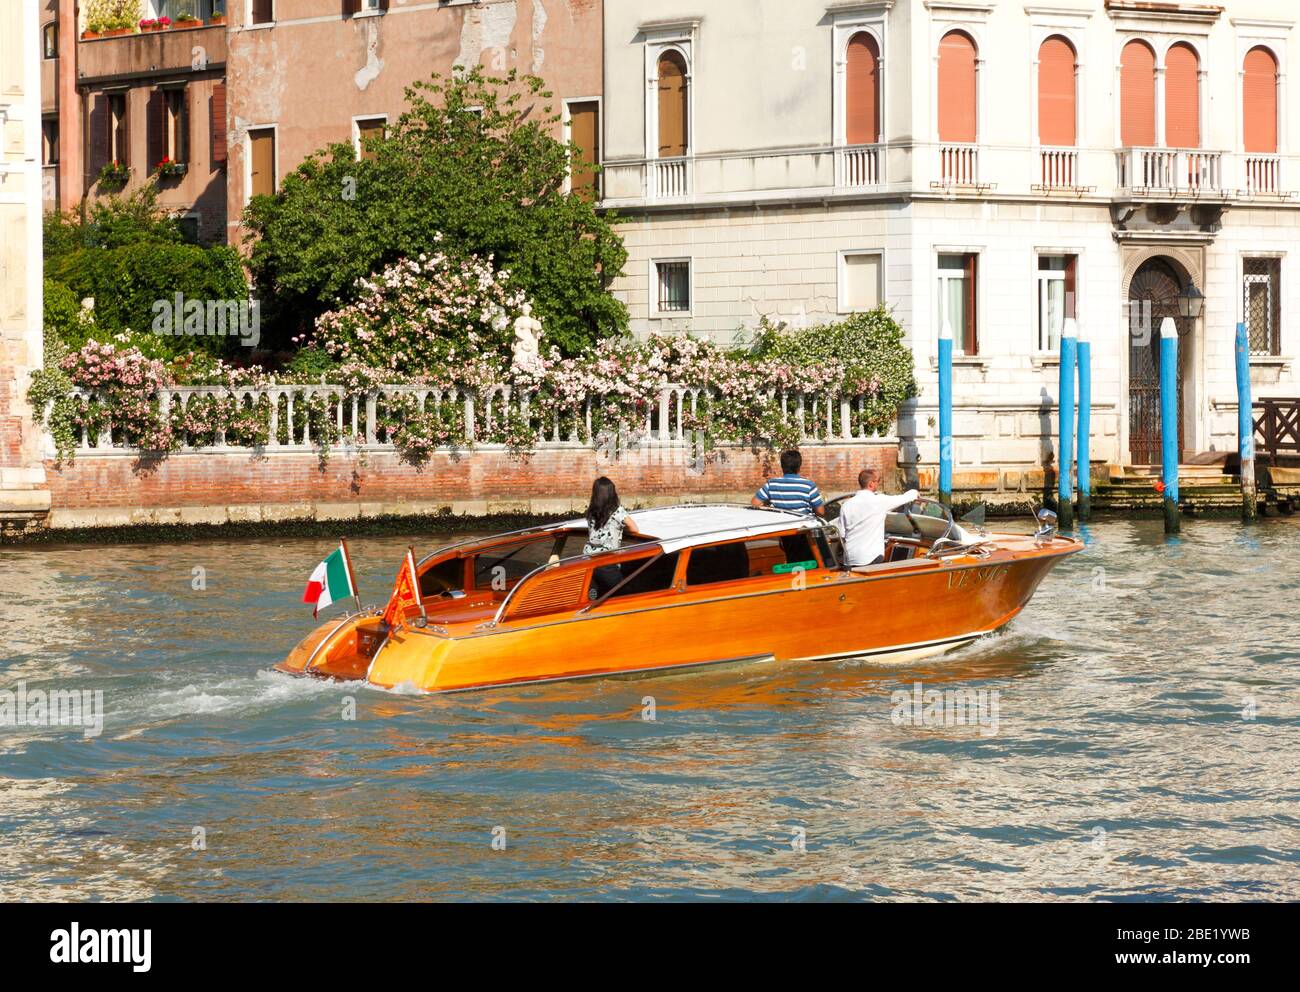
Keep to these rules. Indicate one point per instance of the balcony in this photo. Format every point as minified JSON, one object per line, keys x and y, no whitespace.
{"x":859,"y":166}
{"x":1058,"y":169}
{"x":1170,"y":171}
{"x":1263,"y":175}
{"x":669,"y":178}
{"x":959,"y":164}
{"x":150,"y":53}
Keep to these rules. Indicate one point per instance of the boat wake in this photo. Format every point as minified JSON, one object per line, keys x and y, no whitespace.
{"x":265,"y":691}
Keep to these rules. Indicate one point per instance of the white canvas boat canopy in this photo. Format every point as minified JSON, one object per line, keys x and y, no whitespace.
{"x":678,"y":527}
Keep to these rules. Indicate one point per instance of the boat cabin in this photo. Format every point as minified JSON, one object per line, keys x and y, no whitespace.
{"x":711,"y":551}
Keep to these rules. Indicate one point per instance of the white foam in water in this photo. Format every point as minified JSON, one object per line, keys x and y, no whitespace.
{"x":265,"y":690}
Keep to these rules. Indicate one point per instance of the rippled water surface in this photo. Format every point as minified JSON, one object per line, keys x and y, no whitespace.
{"x":1147,"y":746}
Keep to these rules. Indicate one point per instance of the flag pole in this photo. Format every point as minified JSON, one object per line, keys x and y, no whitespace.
{"x":415,"y":585}
{"x":347,"y":560}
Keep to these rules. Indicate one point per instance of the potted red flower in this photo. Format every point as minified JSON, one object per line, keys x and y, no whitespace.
{"x":168,"y":168}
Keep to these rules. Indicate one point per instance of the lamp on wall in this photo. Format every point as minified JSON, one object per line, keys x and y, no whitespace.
{"x":1190,"y":301}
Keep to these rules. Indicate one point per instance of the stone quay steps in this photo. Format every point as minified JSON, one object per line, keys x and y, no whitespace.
{"x":1200,"y":488}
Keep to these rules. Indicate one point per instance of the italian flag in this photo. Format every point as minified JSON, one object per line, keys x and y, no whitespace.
{"x":330,"y":581}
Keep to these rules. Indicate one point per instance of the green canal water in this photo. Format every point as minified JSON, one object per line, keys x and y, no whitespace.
{"x":1140,"y":739}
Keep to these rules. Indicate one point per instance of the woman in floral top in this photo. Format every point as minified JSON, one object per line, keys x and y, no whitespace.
{"x":607,"y":522}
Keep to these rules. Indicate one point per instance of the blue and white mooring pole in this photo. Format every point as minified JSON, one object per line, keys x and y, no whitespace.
{"x":1245,"y":429}
{"x":1084,"y":348}
{"x":945,"y":413}
{"x":1169,"y":421}
{"x":1065,"y":426}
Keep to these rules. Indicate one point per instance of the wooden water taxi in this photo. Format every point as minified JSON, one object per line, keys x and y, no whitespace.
{"x":714,"y":584}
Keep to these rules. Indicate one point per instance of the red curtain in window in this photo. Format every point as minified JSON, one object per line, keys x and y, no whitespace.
{"x":1259,"y":96}
{"x":862,"y":123}
{"x":1182,"y":98}
{"x":957,"y":113}
{"x":1056,"y":110}
{"x":1137,"y":89}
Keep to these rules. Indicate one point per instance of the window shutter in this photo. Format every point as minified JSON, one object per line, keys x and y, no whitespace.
{"x":957,"y":100}
{"x":584,"y":131}
{"x":1259,"y":95}
{"x":125,"y":129}
{"x":156,"y":128}
{"x":1182,"y":104}
{"x":1137,"y":84}
{"x":862,"y":91}
{"x":218,"y":123}
{"x":1071,"y":282}
{"x":262,"y":166}
{"x":1056,"y":97}
{"x":262,"y":12}
{"x":351,"y":7}
{"x":672,"y":106}
{"x":183,"y":125}
{"x":99,"y":131}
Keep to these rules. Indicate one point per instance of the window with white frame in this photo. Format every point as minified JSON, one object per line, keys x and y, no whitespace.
{"x":366,"y":131}
{"x":668,"y":54}
{"x":861,"y":279}
{"x":1262,"y":304}
{"x":1056,"y":296}
{"x":957,"y":300}
{"x":671,"y":289}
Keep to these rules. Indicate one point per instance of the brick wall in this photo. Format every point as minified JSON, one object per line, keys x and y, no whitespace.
{"x":111,"y":490}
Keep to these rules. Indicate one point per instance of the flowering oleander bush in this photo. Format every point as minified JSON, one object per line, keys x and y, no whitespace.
{"x":442,"y":328}
{"x":430,"y":313}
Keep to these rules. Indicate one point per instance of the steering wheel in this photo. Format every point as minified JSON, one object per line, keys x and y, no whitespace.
{"x":444,"y":585}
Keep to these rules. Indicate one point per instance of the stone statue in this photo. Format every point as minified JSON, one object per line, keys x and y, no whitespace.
{"x":528,"y":335}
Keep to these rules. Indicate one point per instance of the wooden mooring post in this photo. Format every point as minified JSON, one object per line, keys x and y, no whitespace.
{"x":1169,"y":421}
{"x":1084,"y":350}
{"x":1246,"y":429}
{"x":945,"y":413}
{"x":1065,"y":426}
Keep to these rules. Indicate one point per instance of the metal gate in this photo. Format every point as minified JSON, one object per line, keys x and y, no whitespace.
{"x":1153,"y":296}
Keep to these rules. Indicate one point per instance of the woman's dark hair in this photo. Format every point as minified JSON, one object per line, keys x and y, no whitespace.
{"x":604,"y":501}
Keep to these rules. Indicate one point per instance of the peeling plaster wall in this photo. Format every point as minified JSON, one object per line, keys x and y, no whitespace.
{"x":314,"y":71}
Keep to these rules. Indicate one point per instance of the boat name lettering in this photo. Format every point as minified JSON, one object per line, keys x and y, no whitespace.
{"x":961,"y":578}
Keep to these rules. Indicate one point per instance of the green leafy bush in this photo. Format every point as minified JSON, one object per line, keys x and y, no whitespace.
{"x":473,"y":158}
{"x":126,"y":282}
{"x":111,"y":222}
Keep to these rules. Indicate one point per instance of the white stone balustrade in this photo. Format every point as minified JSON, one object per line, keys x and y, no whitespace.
{"x":359,"y":417}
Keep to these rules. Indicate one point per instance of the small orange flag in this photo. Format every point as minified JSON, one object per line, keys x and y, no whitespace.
{"x":406,"y":594}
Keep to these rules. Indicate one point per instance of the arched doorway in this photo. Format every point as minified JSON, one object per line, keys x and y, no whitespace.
{"x":1153,"y":296}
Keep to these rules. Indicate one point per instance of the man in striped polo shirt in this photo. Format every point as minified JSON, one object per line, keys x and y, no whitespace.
{"x":791,"y":491}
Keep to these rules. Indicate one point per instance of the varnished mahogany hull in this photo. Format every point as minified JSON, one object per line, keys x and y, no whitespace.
{"x":907,"y":608}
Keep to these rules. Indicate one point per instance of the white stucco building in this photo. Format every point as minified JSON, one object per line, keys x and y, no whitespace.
{"x":22,"y":476}
{"x":1004,"y":163}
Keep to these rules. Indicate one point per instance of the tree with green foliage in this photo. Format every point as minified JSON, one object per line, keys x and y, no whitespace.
{"x":475,"y":158}
{"x":111,"y":222}
{"x":126,"y":254}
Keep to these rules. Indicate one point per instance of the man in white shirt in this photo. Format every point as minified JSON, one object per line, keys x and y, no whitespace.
{"x":862,"y":519}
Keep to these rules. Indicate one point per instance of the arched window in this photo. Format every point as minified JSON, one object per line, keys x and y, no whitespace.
{"x":1259,"y":98}
{"x":1182,"y":97}
{"x":957,"y":102}
{"x":1056,"y":93}
{"x":862,"y":86}
{"x":1137,"y":88}
{"x":672,"y":105}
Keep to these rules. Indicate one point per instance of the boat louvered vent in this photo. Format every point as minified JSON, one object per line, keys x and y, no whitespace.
{"x":548,"y":594}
